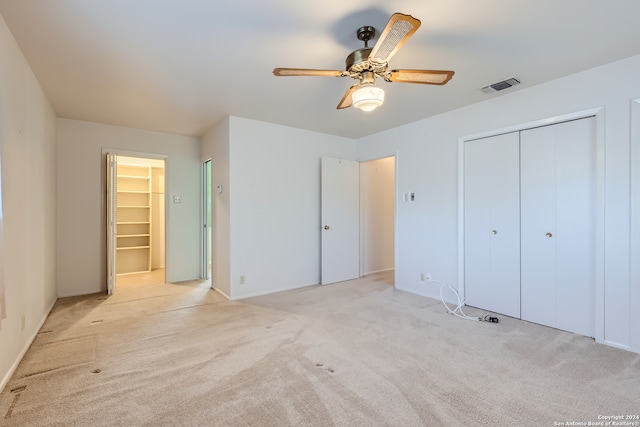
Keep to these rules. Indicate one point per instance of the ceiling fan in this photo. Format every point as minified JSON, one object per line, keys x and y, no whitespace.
{"x":366,"y":64}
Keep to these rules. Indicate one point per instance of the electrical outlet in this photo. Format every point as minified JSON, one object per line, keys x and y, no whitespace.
{"x":242,"y":280}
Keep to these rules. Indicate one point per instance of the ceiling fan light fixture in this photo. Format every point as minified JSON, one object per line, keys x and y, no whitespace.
{"x":368,"y":63}
{"x":367,"y":97}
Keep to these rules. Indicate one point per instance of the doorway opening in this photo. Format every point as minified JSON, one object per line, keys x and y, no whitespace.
{"x":136,"y":221}
{"x":377,"y":217}
{"x":358,"y":223}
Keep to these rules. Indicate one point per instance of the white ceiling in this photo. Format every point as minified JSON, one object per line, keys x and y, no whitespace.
{"x":180,"y":66}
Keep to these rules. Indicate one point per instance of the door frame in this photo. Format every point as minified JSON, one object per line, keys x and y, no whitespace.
{"x":117,"y":152}
{"x":599,"y":115}
{"x":634,"y":253}
{"x":111,"y":178}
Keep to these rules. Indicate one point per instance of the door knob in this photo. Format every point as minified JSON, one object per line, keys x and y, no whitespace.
{"x":494,"y":231}
{"x":549,"y":235}
{"x":326,"y":227}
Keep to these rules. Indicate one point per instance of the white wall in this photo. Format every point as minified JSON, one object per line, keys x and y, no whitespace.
{"x":27,"y":153}
{"x":269,"y":213}
{"x":427,"y":164}
{"x":81,"y":186}
{"x":377,"y":206}
{"x":215,"y":147}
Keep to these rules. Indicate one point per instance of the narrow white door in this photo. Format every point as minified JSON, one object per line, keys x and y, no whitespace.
{"x":207,"y":201}
{"x":340,"y":222}
{"x":112,"y":168}
{"x":558,"y":206}
{"x":492,"y":224}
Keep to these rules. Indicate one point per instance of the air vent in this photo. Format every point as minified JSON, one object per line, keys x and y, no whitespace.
{"x":496,"y":87}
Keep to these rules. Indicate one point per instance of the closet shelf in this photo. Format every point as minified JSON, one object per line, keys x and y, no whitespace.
{"x":132,"y":247}
{"x":134,"y":219}
{"x":133,"y":176}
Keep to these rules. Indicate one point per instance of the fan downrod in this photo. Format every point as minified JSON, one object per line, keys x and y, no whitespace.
{"x":365,"y":34}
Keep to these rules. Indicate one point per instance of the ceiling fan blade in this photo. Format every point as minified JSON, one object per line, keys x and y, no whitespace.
{"x":398,"y":30}
{"x":346,"y":101}
{"x":428,"y":77}
{"x":308,"y":72}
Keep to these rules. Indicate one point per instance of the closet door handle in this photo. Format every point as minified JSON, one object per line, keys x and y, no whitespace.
{"x":494,"y":231}
{"x":549,"y":235}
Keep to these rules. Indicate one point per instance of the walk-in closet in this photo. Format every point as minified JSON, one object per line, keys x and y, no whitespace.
{"x":137,"y":209}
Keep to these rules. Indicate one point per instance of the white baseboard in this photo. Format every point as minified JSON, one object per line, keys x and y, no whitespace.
{"x":271,"y":291}
{"x":83,"y":293}
{"x":13,"y":368}
{"x":378,"y":271}
{"x":617,"y":345}
{"x":221,"y":293}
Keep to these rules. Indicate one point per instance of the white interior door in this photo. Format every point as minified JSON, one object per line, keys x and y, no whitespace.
{"x":558,"y":206}
{"x":492,"y":224}
{"x":206,"y":220}
{"x":112,"y":168}
{"x":340,"y":241}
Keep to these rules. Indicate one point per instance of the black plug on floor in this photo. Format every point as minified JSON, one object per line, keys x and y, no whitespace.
{"x":490,"y":319}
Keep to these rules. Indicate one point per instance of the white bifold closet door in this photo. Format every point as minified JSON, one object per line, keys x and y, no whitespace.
{"x":492,"y":224}
{"x":558,"y":205}
{"x":529,"y":209}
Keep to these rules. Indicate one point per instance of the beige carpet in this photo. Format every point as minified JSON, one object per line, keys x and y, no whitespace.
{"x":357,"y":353}
{"x":153,"y":277}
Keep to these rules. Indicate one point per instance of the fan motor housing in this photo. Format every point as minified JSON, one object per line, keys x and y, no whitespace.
{"x":357,"y":60}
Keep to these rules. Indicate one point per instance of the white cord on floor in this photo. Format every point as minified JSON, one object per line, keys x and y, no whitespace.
{"x":457,"y":311}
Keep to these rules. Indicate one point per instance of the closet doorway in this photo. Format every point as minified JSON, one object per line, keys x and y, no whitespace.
{"x":377,"y":216}
{"x":357,"y":219}
{"x":135,"y":221}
